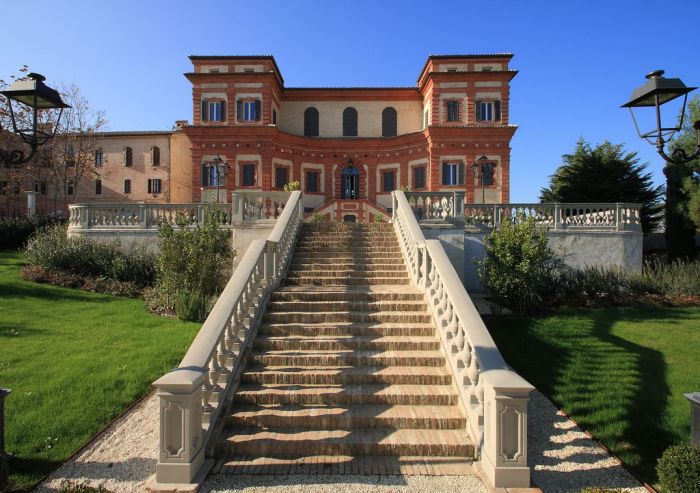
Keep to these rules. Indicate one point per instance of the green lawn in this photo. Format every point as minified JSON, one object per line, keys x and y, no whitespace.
{"x":74,"y":360}
{"x":620,"y":372}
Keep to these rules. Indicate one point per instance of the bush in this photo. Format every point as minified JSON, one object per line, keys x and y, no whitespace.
{"x":679,"y":469}
{"x":194,"y":262}
{"x":519,"y":265}
{"x":318,"y":218}
{"x":599,"y":489}
{"x":15,"y":231}
{"x":292,"y":186}
{"x":672,"y":280}
{"x":68,"y":486}
{"x":191,"y":306}
{"x":51,"y":249}
{"x":592,"y":286}
{"x":378,"y":218}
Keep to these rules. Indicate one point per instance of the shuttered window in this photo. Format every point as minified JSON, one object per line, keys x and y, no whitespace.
{"x":213,"y":110}
{"x":488,"y":111}
{"x":248,"y":110}
{"x":154,"y":185}
{"x":281,"y":177}
{"x":128,"y":156}
{"x":350,"y":122}
{"x":311,"y":122}
{"x":312,"y":181}
{"x":248,"y":175}
{"x":388,"y":181}
{"x":419,"y":177}
{"x":452,"y":111}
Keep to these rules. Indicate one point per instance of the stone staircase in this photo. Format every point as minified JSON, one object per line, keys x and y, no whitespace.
{"x":346,"y":375}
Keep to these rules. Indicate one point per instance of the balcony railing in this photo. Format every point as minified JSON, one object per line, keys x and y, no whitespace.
{"x":450,"y":207}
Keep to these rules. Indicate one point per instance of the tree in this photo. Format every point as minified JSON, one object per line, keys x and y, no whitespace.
{"x":683,"y":191}
{"x":67,"y":159}
{"x":605,"y":173}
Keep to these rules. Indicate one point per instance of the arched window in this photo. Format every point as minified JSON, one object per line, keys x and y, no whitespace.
{"x":311,"y":122}
{"x":128,"y":156}
{"x":350,"y":122}
{"x":389,"y":122}
{"x":155,"y":156}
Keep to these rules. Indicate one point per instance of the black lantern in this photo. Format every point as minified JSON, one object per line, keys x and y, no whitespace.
{"x":33,"y":93}
{"x":221,"y":168}
{"x":656,"y":92}
{"x":482,"y":167}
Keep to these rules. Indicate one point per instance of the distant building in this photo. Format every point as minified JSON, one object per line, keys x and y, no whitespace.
{"x":349,"y":147}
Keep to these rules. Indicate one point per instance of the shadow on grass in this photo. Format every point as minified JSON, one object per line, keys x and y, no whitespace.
{"x":25,"y":472}
{"x":613,"y":388}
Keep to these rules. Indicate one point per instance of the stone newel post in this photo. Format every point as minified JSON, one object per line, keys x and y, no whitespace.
{"x":504,"y":454}
{"x":31,"y":204}
{"x":694,"y":399}
{"x":181,"y":453}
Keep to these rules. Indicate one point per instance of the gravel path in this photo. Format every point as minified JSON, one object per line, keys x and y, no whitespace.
{"x":562,"y":457}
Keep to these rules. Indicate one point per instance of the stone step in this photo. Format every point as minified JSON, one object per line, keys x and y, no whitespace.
{"x":358,"y":267}
{"x":326,"y":343}
{"x":348,"y":465}
{"x":341,"y":272}
{"x":347,"y":328}
{"x":348,"y":375}
{"x":339,"y":256}
{"x":310,"y":317}
{"x":347,"y":358}
{"x":357,"y":260}
{"x":330,"y":417}
{"x":295,"y":280}
{"x":296,"y":442}
{"x":366,"y":249}
{"x":364,"y":294}
{"x":345,"y":306}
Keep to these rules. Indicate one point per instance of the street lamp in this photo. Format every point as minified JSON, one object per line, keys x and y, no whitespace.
{"x":221,"y":168}
{"x":656,"y":92}
{"x":37,"y":96}
{"x":483,"y":167}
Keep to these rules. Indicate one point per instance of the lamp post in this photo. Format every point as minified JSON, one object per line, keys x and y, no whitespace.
{"x":483,"y":167}
{"x":656,"y":92}
{"x":30,"y":92}
{"x":221,"y":168}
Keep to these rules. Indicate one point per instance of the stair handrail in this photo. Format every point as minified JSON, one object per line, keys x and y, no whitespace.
{"x":195,"y":394}
{"x":493,"y":396}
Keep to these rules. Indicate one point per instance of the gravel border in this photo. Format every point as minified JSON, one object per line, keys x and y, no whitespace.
{"x":562,"y":457}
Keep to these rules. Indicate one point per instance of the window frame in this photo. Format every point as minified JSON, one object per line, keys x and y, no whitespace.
{"x":494,"y":110}
{"x":206,"y":110}
{"x":155,"y":156}
{"x":242,"y":176}
{"x":350,"y":122}
{"x":307,"y":181}
{"x":241,"y":104}
{"x":424,"y":169}
{"x":390,"y":122}
{"x":311,"y":122}
{"x":98,"y":187}
{"x":386,"y":173}
{"x":154,"y":186}
{"x":127,"y":186}
{"x":99,"y":157}
{"x":457,"y":174}
{"x":287,"y":171}
{"x":128,"y":156}
{"x":452,"y":105}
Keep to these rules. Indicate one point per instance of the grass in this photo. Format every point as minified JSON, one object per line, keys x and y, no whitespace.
{"x":620,"y":372}
{"x":74,"y":360}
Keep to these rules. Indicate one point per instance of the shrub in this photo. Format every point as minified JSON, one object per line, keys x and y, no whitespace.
{"x":68,"y":486}
{"x":599,"y":489}
{"x":51,"y":249}
{"x":679,"y":469}
{"x":378,"y":218}
{"x":318,"y":217}
{"x":292,"y":186}
{"x":15,"y":231}
{"x":519,"y":264}
{"x":193,"y":259}
{"x":592,"y":286}
{"x":673,"y":279}
{"x":191,"y":306}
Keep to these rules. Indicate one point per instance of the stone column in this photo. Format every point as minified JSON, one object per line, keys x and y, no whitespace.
{"x":181,"y":455}
{"x":504,"y":453}
{"x":31,"y":204}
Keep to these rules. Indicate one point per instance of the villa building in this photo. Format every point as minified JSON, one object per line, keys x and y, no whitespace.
{"x":348,"y":147}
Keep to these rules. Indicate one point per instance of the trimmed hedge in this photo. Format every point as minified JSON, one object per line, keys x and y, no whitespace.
{"x":679,"y":469}
{"x":16,"y":231}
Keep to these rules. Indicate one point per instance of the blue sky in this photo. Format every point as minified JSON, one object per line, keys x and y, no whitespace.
{"x":578,"y":60}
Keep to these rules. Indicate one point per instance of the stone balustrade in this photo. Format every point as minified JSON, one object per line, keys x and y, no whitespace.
{"x":494,"y":398}
{"x":246,"y":206}
{"x":450,"y":207}
{"x":194,"y":395}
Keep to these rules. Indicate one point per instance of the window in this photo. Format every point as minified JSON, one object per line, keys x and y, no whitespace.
{"x":248,"y":110}
{"x":452,"y":111}
{"x":311,"y":122}
{"x":389,"y":122}
{"x":42,"y":188}
{"x":128,"y":156}
{"x":154,"y":185}
{"x":127,"y":186}
{"x":451,"y":69}
{"x":350,"y":122}
{"x":213,"y":110}
{"x":99,"y":157}
{"x":248,"y":175}
{"x":312,"y":179}
{"x":488,"y":111}
{"x":70,"y":157}
{"x":426,"y":118}
{"x":98,"y":187}
{"x":155,"y":156}
{"x":452,"y":174}
{"x":210,"y":177}
{"x":69,"y":188}
{"x":274,"y":116}
{"x":419,"y":177}
{"x":388,"y":181}
{"x":281,"y":177}
{"x":487,"y":175}
{"x":248,"y":70}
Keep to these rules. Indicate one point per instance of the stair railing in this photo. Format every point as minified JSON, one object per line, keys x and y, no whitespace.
{"x":194,"y":396}
{"x":494,"y":397}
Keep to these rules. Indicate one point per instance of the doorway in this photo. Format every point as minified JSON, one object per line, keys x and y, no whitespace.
{"x":350,"y":183}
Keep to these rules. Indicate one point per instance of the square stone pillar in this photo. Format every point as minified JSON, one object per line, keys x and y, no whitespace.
{"x":694,"y":399}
